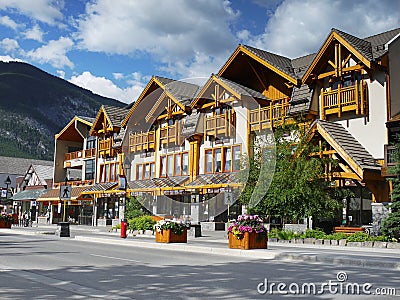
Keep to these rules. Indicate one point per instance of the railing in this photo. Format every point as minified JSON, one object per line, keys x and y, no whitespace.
{"x":74,"y":183}
{"x":221,"y":125}
{"x":351,"y":98}
{"x":269,"y":116}
{"x":141,"y":141}
{"x":80,"y":154}
{"x":105,"y":147}
{"x":171,"y":134}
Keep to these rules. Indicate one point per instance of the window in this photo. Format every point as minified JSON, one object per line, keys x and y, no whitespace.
{"x":209,"y":161}
{"x":89,"y":169}
{"x":170,"y":164}
{"x":236,"y":158}
{"x":91,"y":142}
{"x":109,"y":172}
{"x":145,"y":171}
{"x":185,"y":163}
{"x":228,"y":159}
{"x":218,"y":160}
{"x":174,"y":164}
{"x":163,"y":168}
{"x":222,"y":159}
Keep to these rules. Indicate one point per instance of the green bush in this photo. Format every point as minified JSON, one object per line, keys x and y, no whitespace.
{"x":118,"y":226}
{"x":287,"y":235}
{"x":359,"y":237}
{"x":380,"y":238}
{"x":273,"y":233}
{"x":314,"y":233}
{"x":336,"y":236}
{"x":141,"y":223}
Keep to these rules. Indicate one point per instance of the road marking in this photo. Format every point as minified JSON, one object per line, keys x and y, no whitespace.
{"x":117,"y":258}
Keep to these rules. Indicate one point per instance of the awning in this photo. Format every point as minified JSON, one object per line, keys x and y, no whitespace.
{"x":100,"y":188}
{"x":167,"y":182}
{"x":213,"y":180}
{"x":54,"y":194}
{"x":28,"y":195}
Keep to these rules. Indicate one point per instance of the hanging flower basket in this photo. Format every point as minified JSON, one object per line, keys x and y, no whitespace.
{"x":6,"y":220}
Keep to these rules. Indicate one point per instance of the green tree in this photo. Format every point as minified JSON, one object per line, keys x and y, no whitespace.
{"x":391,"y":225}
{"x":299,"y":187}
{"x":134,"y":208}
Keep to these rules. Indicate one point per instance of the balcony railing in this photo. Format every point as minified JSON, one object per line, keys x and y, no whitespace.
{"x":269,"y":116}
{"x":105,"y":147}
{"x":221,"y":125}
{"x":143,"y":141}
{"x":171,"y":134}
{"x":80,"y":154}
{"x":344,"y":99}
{"x":74,"y":183}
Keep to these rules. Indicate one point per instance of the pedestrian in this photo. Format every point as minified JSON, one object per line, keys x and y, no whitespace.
{"x":47,"y":217}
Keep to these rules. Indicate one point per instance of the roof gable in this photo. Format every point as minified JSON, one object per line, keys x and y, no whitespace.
{"x":70,"y":133}
{"x":360,"y":48}
{"x":109,"y":118}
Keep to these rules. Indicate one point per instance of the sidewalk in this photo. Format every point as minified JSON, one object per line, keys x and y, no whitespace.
{"x":215,"y":242}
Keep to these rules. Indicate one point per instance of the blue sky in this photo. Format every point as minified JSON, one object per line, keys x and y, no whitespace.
{"x":113,"y":47}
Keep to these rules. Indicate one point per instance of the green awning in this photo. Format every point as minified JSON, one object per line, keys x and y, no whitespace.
{"x":28,"y":195}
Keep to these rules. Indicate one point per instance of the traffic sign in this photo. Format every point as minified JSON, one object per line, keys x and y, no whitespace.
{"x":228,"y":198}
{"x":65,"y":192}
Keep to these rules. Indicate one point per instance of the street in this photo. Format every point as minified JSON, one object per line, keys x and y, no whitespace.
{"x":47,"y":267}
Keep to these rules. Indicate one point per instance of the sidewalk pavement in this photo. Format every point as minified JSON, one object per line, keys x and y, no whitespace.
{"x":215,"y":242}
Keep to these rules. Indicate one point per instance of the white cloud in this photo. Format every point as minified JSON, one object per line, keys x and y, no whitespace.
{"x":61,"y":73}
{"x":106,"y":88}
{"x":167,"y":30}
{"x":8,"y":58}
{"x":9,"y":45}
{"x":299,"y":27}
{"x":6,"y":21}
{"x":35,"y":33}
{"x":54,"y":53}
{"x":118,"y":76}
{"x":46,"y":11}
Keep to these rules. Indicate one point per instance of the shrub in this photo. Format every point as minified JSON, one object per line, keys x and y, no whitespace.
{"x":141,"y":223}
{"x":287,"y":235}
{"x":314,"y":233}
{"x":273,"y":233}
{"x":380,"y":238}
{"x":118,"y":226}
{"x":359,"y":237}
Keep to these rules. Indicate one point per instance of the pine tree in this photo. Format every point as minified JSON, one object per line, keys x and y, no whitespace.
{"x":391,"y":225}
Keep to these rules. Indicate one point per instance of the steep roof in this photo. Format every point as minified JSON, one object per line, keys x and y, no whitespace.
{"x":18,"y":166}
{"x":115,"y":114}
{"x":241,"y":89}
{"x":345,"y":143}
{"x":301,"y":99}
{"x":362,"y":46}
{"x":379,"y":41}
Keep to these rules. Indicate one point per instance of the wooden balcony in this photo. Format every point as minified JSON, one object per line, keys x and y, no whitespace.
{"x":221,"y":125}
{"x":74,"y":183}
{"x":344,"y":99}
{"x":80,"y":154}
{"x":144,"y":141}
{"x":171,"y":134}
{"x":270,"y":116}
{"x":105,"y":147}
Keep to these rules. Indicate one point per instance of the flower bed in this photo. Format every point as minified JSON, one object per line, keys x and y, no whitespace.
{"x":247,"y":232}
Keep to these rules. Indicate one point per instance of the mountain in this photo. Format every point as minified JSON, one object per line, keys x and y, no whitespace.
{"x":35,"y":105}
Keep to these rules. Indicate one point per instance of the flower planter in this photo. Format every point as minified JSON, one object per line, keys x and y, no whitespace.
{"x":4,"y":224}
{"x":167,"y":236}
{"x":249,"y":240}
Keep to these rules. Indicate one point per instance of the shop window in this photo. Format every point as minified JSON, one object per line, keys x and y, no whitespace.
{"x":89,"y":169}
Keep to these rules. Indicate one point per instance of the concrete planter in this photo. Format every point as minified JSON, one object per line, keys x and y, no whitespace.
{"x":274,"y":240}
{"x":297,"y":241}
{"x":334,"y":242}
{"x":391,"y":245}
{"x":327,"y":242}
{"x":309,"y":241}
{"x":319,"y":242}
{"x":342,"y":242}
{"x":284,"y":241}
{"x":368,"y":244}
{"x":354,"y":244}
{"x":380,"y":244}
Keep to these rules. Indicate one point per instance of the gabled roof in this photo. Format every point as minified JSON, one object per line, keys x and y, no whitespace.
{"x":42,"y":172}
{"x":18,"y":166}
{"x":114,"y":115}
{"x":236,"y":89}
{"x":69,"y":131}
{"x":379,"y":41}
{"x":355,"y":155}
{"x":180,"y":92}
{"x":279,"y":64}
{"x":29,"y":194}
{"x":367,"y":50}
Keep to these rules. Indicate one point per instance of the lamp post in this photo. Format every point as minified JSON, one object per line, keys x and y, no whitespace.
{"x":7,"y":182}
{"x":228,"y":199}
{"x":123,"y":185}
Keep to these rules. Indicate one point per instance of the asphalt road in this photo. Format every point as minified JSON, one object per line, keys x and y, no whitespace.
{"x":47,"y":267}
